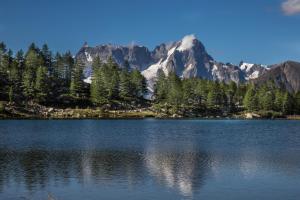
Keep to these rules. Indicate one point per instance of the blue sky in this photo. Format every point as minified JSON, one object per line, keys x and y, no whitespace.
{"x":259,"y":31}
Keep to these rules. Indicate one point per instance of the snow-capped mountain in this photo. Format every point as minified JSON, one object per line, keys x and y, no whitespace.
{"x":187,"y":58}
{"x":139,"y":57}
{"x":252,"y":71}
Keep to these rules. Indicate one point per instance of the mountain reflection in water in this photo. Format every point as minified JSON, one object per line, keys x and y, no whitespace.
{"x":188,"y":160}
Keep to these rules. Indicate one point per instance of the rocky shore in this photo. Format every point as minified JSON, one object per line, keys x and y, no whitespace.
{"x":36,"y":111}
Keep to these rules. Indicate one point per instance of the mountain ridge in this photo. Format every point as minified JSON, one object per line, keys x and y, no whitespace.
{"x":187,"y":58}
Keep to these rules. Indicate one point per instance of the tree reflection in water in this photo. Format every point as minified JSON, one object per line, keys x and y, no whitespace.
{"x":37,"y":168}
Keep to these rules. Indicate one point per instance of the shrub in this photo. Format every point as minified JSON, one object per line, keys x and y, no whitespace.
{"x":2,"y":107}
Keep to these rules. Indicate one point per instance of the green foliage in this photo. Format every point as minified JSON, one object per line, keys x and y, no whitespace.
{"x":11,"y":94}
{"x":297,"y":102}
{"x":28,"y":83}
{"x":175,"y":95}
{"x":287,"y":104}
{"x":278,"y":100}
{"x":138,"y":84}
{"x":125,"y":86}
{"x":41,"y":84}
{"x":77,"y":84}
{"x":2,"y":107}
{"x":250,"y":99}
{"x":97,"y":89}
{"x":58,"y":80}
{"x":161,"y":87}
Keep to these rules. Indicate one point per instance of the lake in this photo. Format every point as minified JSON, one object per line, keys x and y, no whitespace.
{"x":150,"y":159}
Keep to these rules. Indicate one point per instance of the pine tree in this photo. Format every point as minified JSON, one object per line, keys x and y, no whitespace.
{"x":77,"y":84}
{"x":11,"y":94}
{"x":250,"y":99}
{"x":138,"y":84}
{"x":126,"y":66}
{"x":124,"y":85}
{"x":230,"y":93}
{"x":201,"y":92}
{"x":287,"y":104}
{"x":111,"y":79}
{"x":174,"y":95}
{"x":47,"y":57}
{"x":41,"y":84}
{"x":297,"y":103}
{"x":28,"y":83}
{"x":69,"y":64}
{"x":267,"y":101}
{"x":214,"y":96}
{"x":15,"y":79}
{"x":160,"y":87}
{"x":32,"y":62}
{"x":97,"y":89}
{"x":278,"y":101}
{"x":20,"y":60}
{"x":4,"y":66}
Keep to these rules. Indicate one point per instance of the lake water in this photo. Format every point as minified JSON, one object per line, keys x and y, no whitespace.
{"x":150,"y":159}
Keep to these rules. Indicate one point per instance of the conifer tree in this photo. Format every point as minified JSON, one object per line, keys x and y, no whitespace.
{"x":174,"y":95}
{"x":77,"y":84}
{"x":28,"y":83}
{"x":11,"y":94}
{"x":278,"y":101}
{"x":41,"y":84}
{"x":124,"y":85}
{"x":138,"y":84}
{"x":287,"y":104}
{"x":214,"y":96}
{"x":160,"y":87}
{"x":111,"y":79}
{"x":297,"y":102}
{"x":32,"y":62}
{"x":97,"y":89}
{"x":250,"y":99}
{"x":267,"y":101}
{"x":4,"y":65}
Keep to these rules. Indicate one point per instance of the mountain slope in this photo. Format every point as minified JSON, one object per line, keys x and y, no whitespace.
{"x":187,"y":58}
{"x":285,"y":75}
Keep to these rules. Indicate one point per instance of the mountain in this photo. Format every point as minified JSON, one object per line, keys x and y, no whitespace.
{"x":285,"y":75}
{"x":187,"y":58}
{"x":252,"y":71}
{"x":139,"y":57}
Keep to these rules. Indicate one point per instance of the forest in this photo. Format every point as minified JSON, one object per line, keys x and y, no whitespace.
{"x":39,"y":77}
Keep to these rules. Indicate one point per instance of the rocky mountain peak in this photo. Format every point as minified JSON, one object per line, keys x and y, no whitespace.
{"x":188,"y":58}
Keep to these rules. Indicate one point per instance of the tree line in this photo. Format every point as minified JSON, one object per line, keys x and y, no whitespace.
{"x":187,"y":96}
{"x":39,"y":76}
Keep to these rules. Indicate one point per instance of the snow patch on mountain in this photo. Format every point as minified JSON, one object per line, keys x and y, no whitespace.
{"x":88,"y":57}
{"x":246,"y":66}
{"x":252,"y":71}
{"x":254,"y":75}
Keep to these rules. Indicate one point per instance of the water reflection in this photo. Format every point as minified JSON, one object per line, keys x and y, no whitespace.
{"x":181,"y":166}
{"x":184,"y":172}
{"x":36,"y":169}
{"x":160,"y":160}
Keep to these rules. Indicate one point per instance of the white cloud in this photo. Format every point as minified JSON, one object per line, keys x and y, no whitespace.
{"x":187,"y":42}
{"x":291,"y":7}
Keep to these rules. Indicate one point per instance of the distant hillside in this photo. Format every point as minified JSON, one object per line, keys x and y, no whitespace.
{"x":285,"y":75}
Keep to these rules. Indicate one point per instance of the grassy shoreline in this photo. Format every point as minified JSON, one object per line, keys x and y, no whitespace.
{"x":74,"y":114}
{"x":35,"y":111}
